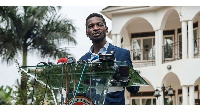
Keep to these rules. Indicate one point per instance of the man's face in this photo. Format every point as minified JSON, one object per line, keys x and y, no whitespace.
{"x":96,"y":30}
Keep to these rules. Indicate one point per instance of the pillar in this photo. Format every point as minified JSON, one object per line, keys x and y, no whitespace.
{"x":114,"y":39}
{"x":190,"y":40}
{"x":156,"y":48}
{"x":160,"y":49}
{"x":184,"y":40}
{"x":118,"y":40}
{"x":191,"y":95}
{"x":185,"y":95}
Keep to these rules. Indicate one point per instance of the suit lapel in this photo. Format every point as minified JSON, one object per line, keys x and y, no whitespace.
{"x":110,"y":48}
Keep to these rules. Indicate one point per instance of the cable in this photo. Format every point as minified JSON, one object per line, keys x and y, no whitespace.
{"x":35,"y":79}
{"x":78,"y":84}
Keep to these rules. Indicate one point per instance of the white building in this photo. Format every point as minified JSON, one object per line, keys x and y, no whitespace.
{"x":165,"y":49}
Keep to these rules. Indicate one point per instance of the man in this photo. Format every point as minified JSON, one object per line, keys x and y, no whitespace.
{"x":96,"y":30}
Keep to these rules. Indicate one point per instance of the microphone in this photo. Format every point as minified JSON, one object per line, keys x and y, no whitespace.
{"x":62,"y":60}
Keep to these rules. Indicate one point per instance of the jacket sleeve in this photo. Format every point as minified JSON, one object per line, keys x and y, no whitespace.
{"x":127,"y":58}
{"x":131,"y":89}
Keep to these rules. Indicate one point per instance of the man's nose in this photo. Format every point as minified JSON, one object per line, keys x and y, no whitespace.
{"x":96,"y":27}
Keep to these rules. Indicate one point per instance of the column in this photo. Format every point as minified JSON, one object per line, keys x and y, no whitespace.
{"x":191,"y":95}
{"x":158,"y":101}
{"x":190,"y":40}
{"x":160,"y":33}
{"x":176,"y":97}
{"x":156,"y":47}
{"x":127,"y":97}
{"x":161,"y":98}
{"x":114,"y":39}
{"x":184,"y":40}
{"x":185,"y":95}
{"x":118,"y":40}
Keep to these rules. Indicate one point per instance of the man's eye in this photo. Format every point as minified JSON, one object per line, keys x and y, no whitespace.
{"x":100,"y":24}
{"x":90,"y":26}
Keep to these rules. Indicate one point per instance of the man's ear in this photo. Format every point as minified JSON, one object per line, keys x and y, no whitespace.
{"x":86,"y":33}
{"x":106,"y":29}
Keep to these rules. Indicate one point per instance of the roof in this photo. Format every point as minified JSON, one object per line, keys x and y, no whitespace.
{"x":110,"y":10}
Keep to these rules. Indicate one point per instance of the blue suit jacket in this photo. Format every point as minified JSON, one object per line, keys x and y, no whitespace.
{"x":116,"y":98}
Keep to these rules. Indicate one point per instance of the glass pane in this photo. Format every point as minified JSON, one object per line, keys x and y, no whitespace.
{"x":168,"y":101}
{"x":146,"y":101}
{"x":154,"y":101}
{"x":180,"y":46}
{"x":195,"y":42}
{"x":168,"y":48}
{"x":152,"y":51}
{"x":147,"y":45}
{"x":195,"y":34}
{"x":136,"y":49}
{"x":135,"y":101}
{"x":180,"y":100}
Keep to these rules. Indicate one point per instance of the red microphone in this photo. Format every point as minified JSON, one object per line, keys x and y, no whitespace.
{"x":62,"y":60}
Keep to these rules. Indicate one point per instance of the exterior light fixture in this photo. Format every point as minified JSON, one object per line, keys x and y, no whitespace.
{"x":170,"y":91}
{"x":157,"y":93}
{"x":163,"y":88}
{"x":169,"y":67}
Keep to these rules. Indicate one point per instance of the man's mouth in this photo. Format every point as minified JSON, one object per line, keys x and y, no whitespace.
{"x":96,"y":34}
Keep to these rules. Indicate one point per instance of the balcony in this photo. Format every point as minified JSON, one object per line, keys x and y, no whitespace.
{"x":173,"y":52}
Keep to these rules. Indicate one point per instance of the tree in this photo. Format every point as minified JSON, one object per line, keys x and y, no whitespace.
{"x":5,"y":95}
{"x":27,"y":29}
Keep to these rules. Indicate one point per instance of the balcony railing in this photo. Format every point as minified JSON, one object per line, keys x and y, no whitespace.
{"x":172,"y":52}
{"x":143,"y":57}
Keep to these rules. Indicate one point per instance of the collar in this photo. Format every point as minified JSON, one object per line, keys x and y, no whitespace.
{"x":105,"y":47}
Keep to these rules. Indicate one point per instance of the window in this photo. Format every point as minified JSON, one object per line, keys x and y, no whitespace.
{"x":135,"y":101}
{"x":144,"y":101}
{"x":143,"y":48}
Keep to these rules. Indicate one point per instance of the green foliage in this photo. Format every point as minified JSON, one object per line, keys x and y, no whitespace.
{"x":40,"y":29}
{"x":5,"y":95}
{"x":25,"y":96}
{"x":39,"y":91}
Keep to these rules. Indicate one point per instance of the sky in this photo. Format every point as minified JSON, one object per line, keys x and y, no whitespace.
{"x":78,"y":14}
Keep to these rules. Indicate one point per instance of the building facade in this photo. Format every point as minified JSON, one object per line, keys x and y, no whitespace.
{"x":164,"y":42}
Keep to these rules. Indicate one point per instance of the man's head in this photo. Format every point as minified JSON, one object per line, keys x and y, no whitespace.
{"x":96,"y":28}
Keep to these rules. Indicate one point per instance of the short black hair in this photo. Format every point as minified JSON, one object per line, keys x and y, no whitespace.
{"x":95,"y":15}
